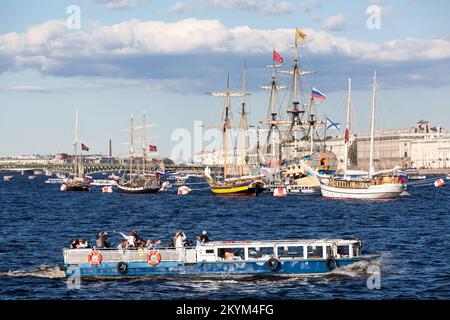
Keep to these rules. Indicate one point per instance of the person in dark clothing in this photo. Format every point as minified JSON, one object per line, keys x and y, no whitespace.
{"x":204,"y":237}
{"x":74,"y":244}
{"x":101,"y":241}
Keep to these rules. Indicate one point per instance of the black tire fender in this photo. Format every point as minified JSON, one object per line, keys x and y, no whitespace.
{"x":331,"y":263}
{"x":273,"y":264}
{"x":122,"y":267}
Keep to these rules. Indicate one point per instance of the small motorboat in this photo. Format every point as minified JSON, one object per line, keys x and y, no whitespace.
{"x":7,"y":178}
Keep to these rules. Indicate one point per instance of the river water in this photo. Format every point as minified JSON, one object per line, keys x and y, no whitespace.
{"x":410,"y":233}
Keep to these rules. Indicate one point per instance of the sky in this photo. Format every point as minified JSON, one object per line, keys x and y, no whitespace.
{"x":113,"y":58}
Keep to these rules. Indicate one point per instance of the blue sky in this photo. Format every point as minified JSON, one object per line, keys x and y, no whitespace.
{"x":162,"y":56}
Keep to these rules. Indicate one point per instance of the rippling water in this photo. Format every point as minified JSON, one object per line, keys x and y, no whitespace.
{"x":411,"y":234}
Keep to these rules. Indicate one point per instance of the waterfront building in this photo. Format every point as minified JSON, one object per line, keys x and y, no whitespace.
{"x":421,"y":146}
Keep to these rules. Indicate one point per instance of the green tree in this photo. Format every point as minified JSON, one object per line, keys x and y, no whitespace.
{"x":168,"y":162}
{"x":353,"y":153}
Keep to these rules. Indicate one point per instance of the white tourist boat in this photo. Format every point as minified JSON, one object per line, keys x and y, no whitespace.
{"x":372,"y":186}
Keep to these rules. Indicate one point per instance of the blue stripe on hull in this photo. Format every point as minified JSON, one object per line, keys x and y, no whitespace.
{"x":211,"y":269}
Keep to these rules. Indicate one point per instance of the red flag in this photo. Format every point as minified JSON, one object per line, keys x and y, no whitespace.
{"x":152,"y":148}
{"x":346,"y":136}
{"x":277,"y":57}
{"x":84,"y":147}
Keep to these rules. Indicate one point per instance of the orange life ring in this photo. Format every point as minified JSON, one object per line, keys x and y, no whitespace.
{"x":95,"y":258}
{"x":153,"y":257}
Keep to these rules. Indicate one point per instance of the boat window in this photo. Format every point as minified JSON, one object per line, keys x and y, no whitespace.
{"x":290,"y":252}
{"x":256,"y":253}
{"x":329,"y":251}
{"x":210,"y":251}
{"x":343,"y":251}
{"x":315,"y":252}
{"x":356,"y":249}
{"x":231,"y":253}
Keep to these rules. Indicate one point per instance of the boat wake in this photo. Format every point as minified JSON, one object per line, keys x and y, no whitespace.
{"x":43,"y":271}
{"x":357,"y":269}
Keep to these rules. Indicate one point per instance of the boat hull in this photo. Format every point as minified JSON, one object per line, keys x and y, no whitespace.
{"x":236,"y":191}
{"x":76,"y":187}
{"x":384,"y":191}
{"x":139,"y":190}
{"x":223,"y":269}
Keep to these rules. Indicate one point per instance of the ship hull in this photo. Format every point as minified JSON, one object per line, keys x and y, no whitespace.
{"x":138,"y":190}
{"x":250,"y":189}
{"x":384,"y":191}
{"x":223,"y":269}
{"x":76,"y":187}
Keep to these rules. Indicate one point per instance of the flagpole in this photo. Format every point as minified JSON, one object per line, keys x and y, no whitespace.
{"x":325,"y":137}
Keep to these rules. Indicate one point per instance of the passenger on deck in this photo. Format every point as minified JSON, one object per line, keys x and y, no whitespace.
{"x":180,"y":239}
{"x":133,"y":239}
{"x":171,"y":243}
{"x":83,"y":243}
{"x":151,"y":245}
{"x":74,"y":244}
{"x":101,"y":241}
{"x":204,"y":238}
{"x":124,"y":244}
{"x":130,"y":239}
{"x":198,"y":241}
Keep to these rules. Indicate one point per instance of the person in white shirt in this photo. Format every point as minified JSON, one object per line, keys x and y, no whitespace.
{"x":180,"y":237}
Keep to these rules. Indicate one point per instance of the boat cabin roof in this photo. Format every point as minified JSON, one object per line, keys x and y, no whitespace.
{"x":272,"y":243}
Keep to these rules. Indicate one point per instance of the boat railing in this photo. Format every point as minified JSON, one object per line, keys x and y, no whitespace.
{"x":114,"y":255}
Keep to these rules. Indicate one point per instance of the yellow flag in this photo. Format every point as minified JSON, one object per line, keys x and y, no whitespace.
{"x":300,"y":35}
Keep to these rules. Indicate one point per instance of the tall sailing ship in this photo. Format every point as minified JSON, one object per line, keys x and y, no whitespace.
{"x":383,"y":185}
{"x":296,"y":149}
{"x":238,"y":178}
{"x":138,"y":179}
{"x":76,"y":180}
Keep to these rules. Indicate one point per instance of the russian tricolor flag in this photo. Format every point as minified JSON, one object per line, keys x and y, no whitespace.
{"x":317,"y":94}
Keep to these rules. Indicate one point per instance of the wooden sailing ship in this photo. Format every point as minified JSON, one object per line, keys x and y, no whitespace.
{"x":76,"y":180}
{"x":296,"y":150}
{"x":383,"y":185}
{"x":138,"y":180}
{"x":238,"y":180}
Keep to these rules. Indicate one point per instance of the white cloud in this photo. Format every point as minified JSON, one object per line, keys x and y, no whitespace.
{"x":179,"y":7}
{"x":262,"y":6}
{"x":121,"y":50}
{"x":309,"y":5}
{"x":26,"y":88}
{"x":335,"y":23}
{"x":120,"y":4}
{"x":51,"y":41}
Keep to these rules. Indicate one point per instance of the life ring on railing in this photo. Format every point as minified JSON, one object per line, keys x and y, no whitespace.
{"x":153,"y":257}
{"x":122,"y":267}
{"x":95,"y":258}
{"x":273,"y":264}
{"x":331,"y":263}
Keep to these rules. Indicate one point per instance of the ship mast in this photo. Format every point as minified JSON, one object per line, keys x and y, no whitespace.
{"x":131,"y":147}
{"x":296,"y":97}
{"x":273,"y":121}
{"x":372,"y":124}
{"x":144,"y":149}
{"x":243,"y":125}
{"x":77,"y":160}
{"x":347,"y":127}
{"x":226,"y":125}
